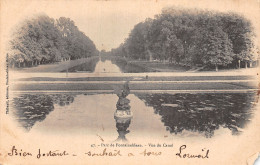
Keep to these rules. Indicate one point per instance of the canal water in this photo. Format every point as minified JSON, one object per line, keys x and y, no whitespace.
{"x":106,"y":67}
{"x":156,"y":116}
{"x":109,"y":65}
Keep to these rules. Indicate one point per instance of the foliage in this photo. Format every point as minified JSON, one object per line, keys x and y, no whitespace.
{"x":44,"y":40}
{"x":191,"y":37}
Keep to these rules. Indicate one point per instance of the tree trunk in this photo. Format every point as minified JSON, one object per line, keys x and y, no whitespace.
{"x":19,"y":64}
{"x":238,"y":64}
{"x":170,"y":59}
{"x":246,"y":65}
{"x":216,"y":67}
{"x":150,"y":54}
{"x":250,"y":64}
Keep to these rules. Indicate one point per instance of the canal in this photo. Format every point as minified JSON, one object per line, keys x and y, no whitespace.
{"x":152,"y":115}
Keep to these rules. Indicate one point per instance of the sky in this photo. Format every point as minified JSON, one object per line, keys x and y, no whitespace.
{"x":108,"y":23}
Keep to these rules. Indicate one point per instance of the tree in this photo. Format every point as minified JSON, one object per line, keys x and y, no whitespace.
{"x":217,"y":48}
{"x":192,"y":37}
{"x":43,"y":39}
{"x":240,"y":32}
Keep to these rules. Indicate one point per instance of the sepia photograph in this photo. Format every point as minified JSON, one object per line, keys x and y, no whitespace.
{"x":130,"y":82}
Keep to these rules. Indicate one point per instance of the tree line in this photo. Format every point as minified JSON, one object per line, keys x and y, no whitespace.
{"x":192,"y":37}
{"x":45,"y":40}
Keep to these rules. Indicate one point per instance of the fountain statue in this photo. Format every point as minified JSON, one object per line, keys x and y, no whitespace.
{"x":123,"y":114}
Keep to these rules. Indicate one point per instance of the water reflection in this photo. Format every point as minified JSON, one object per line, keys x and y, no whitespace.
{"x":154,"y":114}
{"x":128,"y":67}
{"x":109,"y":65}
{"x":106,"y":67}
{"x":29,"y":109}
{"x":88,"y":66}
{"x":203,"y":113}
{"x":123,"y":114}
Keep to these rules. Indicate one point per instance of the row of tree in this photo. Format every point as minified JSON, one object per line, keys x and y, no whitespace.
{"x":192,"y":37}
{"x":45,"y":40}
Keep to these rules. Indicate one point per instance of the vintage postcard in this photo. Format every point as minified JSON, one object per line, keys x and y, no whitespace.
{"x":130,"y":82}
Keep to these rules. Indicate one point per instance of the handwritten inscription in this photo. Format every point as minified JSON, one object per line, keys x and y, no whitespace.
{"x":182,"y":152}
{"x":105,"y":153}
{"x":148,"y":153}
{"x":21,"y":153}
{"x":51,"y":153}
{"x":16,"y":152}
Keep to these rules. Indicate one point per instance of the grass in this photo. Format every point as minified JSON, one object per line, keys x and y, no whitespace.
{"x":139,"y":86}
{"x":161,"y":66}
{"x":59,"y":67}
{"x":133,"y":66}
{"x":132,"y":78}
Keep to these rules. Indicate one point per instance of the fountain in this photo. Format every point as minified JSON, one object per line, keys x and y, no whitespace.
{"x":123,"y":114}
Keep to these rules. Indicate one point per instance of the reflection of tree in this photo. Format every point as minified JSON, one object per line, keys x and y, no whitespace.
{"x":128,"y":67}
{"x":202,"y":113}
{"x":28,"y":109}
{"x":62,"y":100}
{"x":88,"y":66}
{"x":123,"y":114}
